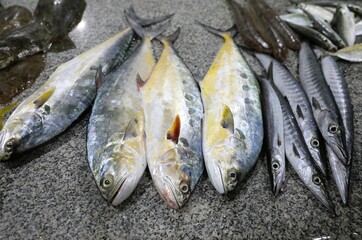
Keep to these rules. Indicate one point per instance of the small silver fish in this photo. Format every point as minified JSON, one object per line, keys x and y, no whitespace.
{"x":300,"y":19}
{"x":351,"y":54}
{"x":346,"y":25}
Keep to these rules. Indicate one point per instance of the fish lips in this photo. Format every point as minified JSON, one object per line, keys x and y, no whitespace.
{"x":168,"y":193}
{"x":338,"y":149}
{"x":121,"y":193}
{"x":279,"y":183}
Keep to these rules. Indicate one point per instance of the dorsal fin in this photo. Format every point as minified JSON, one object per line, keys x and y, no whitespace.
{"x":299,"y":112}
{"x":315,"y":103}
{"x":146,"y":22}
{"x":227,"y":119}
{"x":174,"y":131}
{"x":295,"y":150}
{"x":100,"y":78}
{"x":142,"y":33}
{"x":44,"y":97}
{"x":6,"y":110}
{"x":240,"y":133}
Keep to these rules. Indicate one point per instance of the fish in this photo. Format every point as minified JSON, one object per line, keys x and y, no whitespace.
{"x":21,"y":42}
{"x":314,"y":36}
{"x":316,"y":11}
{"x":173,"y":112}
{"x":292,"y":90}
{"x":351,"y":54}
{"x":272,"y":18}
{"x":351,"y":6}
{"x":298,"y":155}
{"x":274,"y":135}
{"x":358,"y":28}
{"x":62,"y":16}
{"x":323,"y":105}
{"x":346,"y":25}
{"x":246,"y":29}
{"x":339,"y":88}
{"x":14,"y":17}
{"x":19,"y":76}
{"x":325,"y":28}
{"x":279,"y":49}
{"x":69,"y":91}
{"x":116,"y":143}
{"x":232,"y":124}
{"x":300,"y":19}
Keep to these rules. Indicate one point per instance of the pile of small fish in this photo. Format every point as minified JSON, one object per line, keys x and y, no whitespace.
{"x":24,"y":39}
{"x":332,"y":26}
{"x":297,"y":113}
{"x":263,"y":30}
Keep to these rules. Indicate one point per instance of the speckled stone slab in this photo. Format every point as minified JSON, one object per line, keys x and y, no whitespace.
{"x":52,"y":194}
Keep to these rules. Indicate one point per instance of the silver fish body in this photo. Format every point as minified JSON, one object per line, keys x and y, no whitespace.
{"x":173,"y":111}
{"x":299,"y":157}
{"x":61,"y":100}
{"x":116,"y":138}
{"x":274,"y":135}
{"x":233,"y":125}
{"x":346,"y":25}
{"x":317,"y":11}
{"x":351,"y":54}
{"x":301,"y":108}
{"x":324,"y":108}
{"x":300,"y":19}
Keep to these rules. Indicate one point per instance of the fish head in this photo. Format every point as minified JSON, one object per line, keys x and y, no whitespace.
{"x":120,"y":169}
{"x":277,"y":168}
{"x":316,"y":184}
{"x":332,"y":133}
{"x":224,"y":168}
{"x":173,"y":175}
{"x":9,"y":142}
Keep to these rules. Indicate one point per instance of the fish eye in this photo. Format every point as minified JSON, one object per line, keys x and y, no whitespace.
{"x":317,"y":180}
{"x":314,"y":142}
{"x":10,"y":144}
{"x":333,"y":128}
{"x":233,"y":175}
{"x":184,"y":187}
{"x":275,"y":165}
{"x":107,"y":182}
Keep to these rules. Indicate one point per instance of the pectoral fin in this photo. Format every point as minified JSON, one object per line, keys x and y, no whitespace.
{"x":315,"y":104}
{"x":296,"y":152}
{"x":4,"y":111}
{"x":61,"y":44}
{"x":173,"y":133}
{"x":44,"y":97}
{"x":299,"y":112}
{"x":134,"y":127}
{"x":100,"y":78}
{"x":227,"y":119}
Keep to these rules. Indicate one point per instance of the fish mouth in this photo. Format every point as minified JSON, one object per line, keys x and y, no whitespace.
{"x":119,"y":186}
{"x":339,"y":150}
{"x":169,"y":195}
{"x":279,"y":185}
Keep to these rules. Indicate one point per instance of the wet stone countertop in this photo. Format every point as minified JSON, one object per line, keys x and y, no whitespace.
{"x":52,"y":194}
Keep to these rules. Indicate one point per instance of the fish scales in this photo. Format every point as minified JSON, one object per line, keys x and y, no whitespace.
{"x":173,"y":111}
{"x":230,"y":151}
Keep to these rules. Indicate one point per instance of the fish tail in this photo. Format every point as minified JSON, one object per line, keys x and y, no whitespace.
{"x":146,"y":22}
{"x":142,"y":33}
{"x":4,"y":111}
{"x":170,"y":38}
{"x":218,"y":32}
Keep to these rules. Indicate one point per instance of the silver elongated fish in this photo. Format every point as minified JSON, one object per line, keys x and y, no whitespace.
{"x":61,"y":100}
{"x":300,"y":19}
{"x":324,"y":108}
{"x":173,"y":111}
{"x":274,"y":135}
{"x":116,"y":138}
{"x":317,"y":11}
{"x":351,"y":54}
{"x":299,"y":103}
{"x":299,"y":157}
{"x":345,"y":24}
{"x":233,"y":124}
{"x":339,"y":89}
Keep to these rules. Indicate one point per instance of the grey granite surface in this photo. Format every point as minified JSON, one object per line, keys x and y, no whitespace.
{"x":49,"y":193}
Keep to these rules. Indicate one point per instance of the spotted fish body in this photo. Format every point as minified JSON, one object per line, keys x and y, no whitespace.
{"x":61,"y":100}
{"x":233,"y":125}
{"x":298,"y":100}
{"x":173,"y":111}
{"x":116,"y":138}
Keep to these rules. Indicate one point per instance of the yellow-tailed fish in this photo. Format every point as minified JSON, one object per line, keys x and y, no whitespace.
{"x":116,"y":138}
{"x":61,"y":100}
{"x":233,"y":125}
{"x":173,"y":111}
